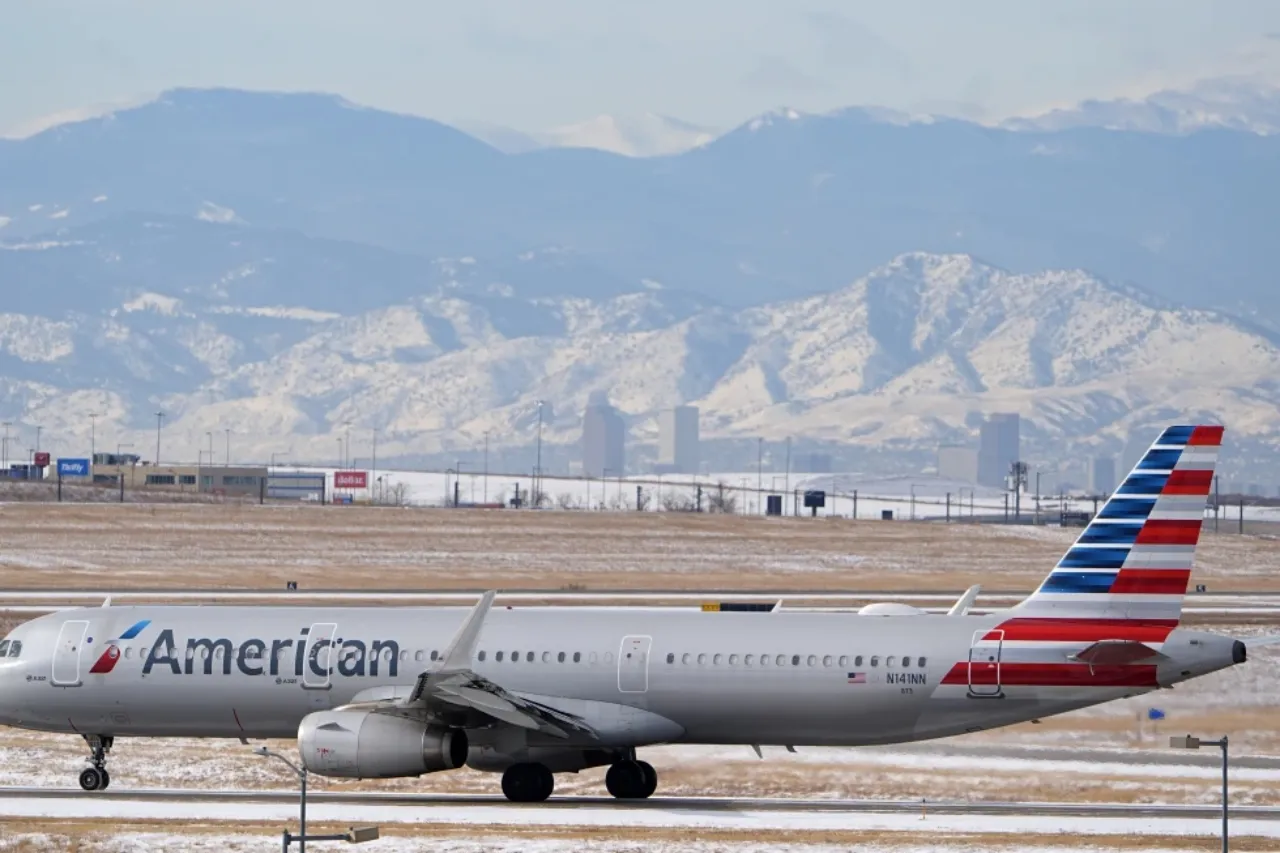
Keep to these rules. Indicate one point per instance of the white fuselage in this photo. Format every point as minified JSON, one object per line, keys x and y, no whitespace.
{"x":790,"y":677}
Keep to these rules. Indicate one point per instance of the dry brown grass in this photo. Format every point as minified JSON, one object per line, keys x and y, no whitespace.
{"x":239,"y":546}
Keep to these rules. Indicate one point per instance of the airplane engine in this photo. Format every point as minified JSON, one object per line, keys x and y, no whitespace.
{"x":359,"y":744}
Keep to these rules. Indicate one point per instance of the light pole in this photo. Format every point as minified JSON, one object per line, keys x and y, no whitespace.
{"x":39,"y":429}
{"x":759,"y":468}
{"x":228,"y":432}
{"x":159,"y":421}
{"x":356,"y":835}
{"x":486,"y":466}
{"x":786,"y":483}
{"x":373,"y":473}
{"x":274,"y":454}
{"x":1189,"y":742}
{"x":93,"y":435}
{"x":4,"y":447}
{"x":537,"y":467}
{"x":340,"y":459}
{"x":209,"y":435}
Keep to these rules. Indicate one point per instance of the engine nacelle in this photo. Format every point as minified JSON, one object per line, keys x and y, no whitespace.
{"x":359,"y":744}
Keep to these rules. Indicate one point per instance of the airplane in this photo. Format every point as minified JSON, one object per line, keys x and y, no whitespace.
{"x":531,"y":692}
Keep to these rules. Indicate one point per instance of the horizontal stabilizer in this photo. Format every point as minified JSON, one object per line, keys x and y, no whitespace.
{"x":1115,"y":653}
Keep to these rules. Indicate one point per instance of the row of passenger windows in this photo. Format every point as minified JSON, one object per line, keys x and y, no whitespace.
{"x":795,"y":660}
{"x":10,"y":648}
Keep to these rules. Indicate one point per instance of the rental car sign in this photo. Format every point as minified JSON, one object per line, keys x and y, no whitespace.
{"x":351,"y":479}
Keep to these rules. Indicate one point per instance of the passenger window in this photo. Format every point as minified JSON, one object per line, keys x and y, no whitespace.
{"x":920,"y":662}
{"x":498,"y":657}
{"x":560,"y":658}
{"x":813,"y":659}
{"x":671,"y":657}
{"x":434,"y":654}
{"x":890,"y":661}
{"x":906,"y":661}
{"x":748,"y":659}
{"x":844,"y":660}
{"x":795,"y":660}
{"x":404,"y":656}
{"x":716,"y":660}
{"x":684,"y":658}
{"x":781,"y":660}
{"x":577,"y":657}
{"x":593,"y":658}
{"x":515,"y":657}
{"x":702,"y":659}
{"x":418,"y":656}
{"x":480,"y":656}
{"x":875,"y":660}
{"x":857,"y":661}
{"x":608,"y":657}
{"x":528,"y":657}
{"x":733,"y":660}
{"x":546,"y":657}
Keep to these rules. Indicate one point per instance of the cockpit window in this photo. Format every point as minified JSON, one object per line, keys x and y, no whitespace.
{"x":15,"y":648}
{"x":4,"y":648}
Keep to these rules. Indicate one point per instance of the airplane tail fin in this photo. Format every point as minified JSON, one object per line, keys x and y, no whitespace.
{"x":1132,"y":563}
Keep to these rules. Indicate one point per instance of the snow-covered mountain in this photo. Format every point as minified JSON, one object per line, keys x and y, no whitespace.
{"x":1225,"y":103}
{"x":901,"y":358}
{"x":647,"y":135}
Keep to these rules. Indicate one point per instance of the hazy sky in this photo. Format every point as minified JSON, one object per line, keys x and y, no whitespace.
{"x":534,"y":64}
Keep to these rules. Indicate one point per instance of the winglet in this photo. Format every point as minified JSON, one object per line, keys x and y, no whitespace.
{"x":463,"y":648}
{"x":961,"y":607}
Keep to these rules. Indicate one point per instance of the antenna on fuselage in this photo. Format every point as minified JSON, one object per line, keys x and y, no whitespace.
{"x":107,"y":602}
{"x":962,"y":606}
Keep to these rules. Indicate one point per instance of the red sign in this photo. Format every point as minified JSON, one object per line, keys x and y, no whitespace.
{"x":351,"y":479}
{"x":42,"y":460}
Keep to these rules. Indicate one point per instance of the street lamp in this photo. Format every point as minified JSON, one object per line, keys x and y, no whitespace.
{"x":1189,"y":742}
{"x":159,"y":420}
{"x":486,"y":466}
{"x":93,"y":435}
{"x":537,"y":468}
{"x":4,"y":446}
{"x":355,"y":835}
{"x":228,"y":432}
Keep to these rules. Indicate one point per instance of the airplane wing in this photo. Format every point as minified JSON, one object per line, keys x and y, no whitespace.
{"x":452,"y":684}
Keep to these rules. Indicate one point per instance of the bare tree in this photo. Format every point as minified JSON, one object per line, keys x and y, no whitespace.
{"x":722,"y":500}
{"x":564,"y":500}
{"x":398,"y":494}
{"x":644,"y":499}
{"x":678,"y":501}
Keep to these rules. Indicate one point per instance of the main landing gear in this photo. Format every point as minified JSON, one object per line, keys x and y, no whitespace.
{"x":96,"y":778}
{"x":631,"y":780}
{"x":527,"y":783}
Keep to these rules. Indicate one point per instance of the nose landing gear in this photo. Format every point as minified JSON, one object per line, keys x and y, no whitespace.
{"x":96,"y":778}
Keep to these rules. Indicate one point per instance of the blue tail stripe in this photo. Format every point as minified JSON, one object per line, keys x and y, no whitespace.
{"x":1143,"y":484}
{"x":1176,"y":435}
{"x":1094,"y":558}
{"x":1110,"y":534}
{"x":1128,"y":509}
{"x":1160,"y":460}
{"x":1079,"y":582}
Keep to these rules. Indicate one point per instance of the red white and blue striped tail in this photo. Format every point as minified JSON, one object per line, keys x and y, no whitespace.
{"x":1133,"y":561}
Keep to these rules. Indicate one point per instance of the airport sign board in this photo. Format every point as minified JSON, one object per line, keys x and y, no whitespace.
{"x":351,"y":479}
{"x":41,"y":460}
{"x":73,"y":468}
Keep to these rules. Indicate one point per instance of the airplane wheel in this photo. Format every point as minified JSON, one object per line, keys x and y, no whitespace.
{"x":527,"y":783}
{"x":106,"y":780}
{"x":650,"y":779}
{"x":627,"y":780}
{"x":93,"y":779}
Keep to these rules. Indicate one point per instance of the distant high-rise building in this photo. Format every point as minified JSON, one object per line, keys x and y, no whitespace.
{"x":678,"y":440}
{"x":1102,"y":475}
{"x":999,"y":446}
{"x":603,"y":438}
{"x":958,"y":462}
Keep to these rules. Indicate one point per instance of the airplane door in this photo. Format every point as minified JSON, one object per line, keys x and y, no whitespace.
{"x":633,"y":664}
{"x":318,"y":670}
{"x":66,"y":654}
{"x":984,"y":664}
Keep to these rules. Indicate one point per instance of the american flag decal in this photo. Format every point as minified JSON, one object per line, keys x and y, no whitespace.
{"x":857,"y":678}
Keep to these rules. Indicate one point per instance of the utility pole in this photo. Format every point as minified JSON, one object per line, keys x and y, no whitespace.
{"x":159,"y":421}
{"x":39,"y":429}
{"x":373,"y":475}
{"x":4,"y":448}
{"x":759,"y":471}
{"x":486,"y":469}
{"x":786,"y":482}
{"x":93,"y":436}
{"x":209,"y":435}
{"x":537,"y":467}
{"x":228,"y":431}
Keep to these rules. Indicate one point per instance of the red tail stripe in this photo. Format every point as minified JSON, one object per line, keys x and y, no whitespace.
{"x":1165,"y":532}
{"x":1151,"y":581}
{"x":1206,"y":436}
{"x":1189,"y":482}
{"x":1084,"y":630}
{"x":1052,"y":675}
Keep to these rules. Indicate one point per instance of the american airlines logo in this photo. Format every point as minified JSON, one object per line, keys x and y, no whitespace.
{"x":276,"y":657}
